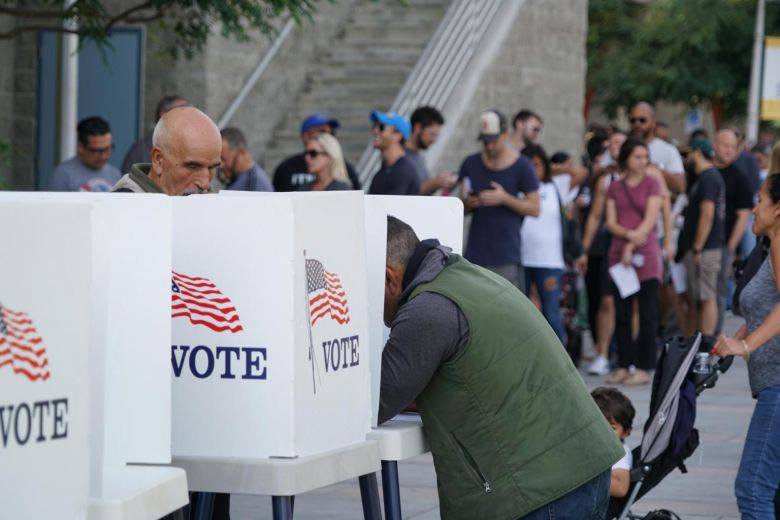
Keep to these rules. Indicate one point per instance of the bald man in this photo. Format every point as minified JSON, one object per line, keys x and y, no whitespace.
{"x":186,"y":147}
{"x":662,"y":154}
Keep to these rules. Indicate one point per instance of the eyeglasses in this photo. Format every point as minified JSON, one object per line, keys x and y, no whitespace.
{"x":633,"y":120}
{"x":313,"y":154}
{"x":100,"y":151}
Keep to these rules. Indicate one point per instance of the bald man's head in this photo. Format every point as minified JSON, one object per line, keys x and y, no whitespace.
{"x":726,"y":146}
{"x":642,"y":120}
{"x":186,"y":146}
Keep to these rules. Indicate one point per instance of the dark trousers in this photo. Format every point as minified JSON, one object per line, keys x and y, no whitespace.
{"x":643,"y":353}
{"x":596,"y":284}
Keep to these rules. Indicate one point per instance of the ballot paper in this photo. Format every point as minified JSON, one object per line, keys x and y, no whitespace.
{"x":625,"y":279}
{"x":679,"y":277}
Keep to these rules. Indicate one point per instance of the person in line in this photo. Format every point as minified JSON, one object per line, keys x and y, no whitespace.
{"x":141,"y":150}
{"x":633,"y":204}
{"x":185,"y":156}
{"x":595,"y":241}
{"x":490,"y":184}
{"x":662,"y":154}
{"x":700,"y":244}
{"x":426,"y":126}
{"x":326,"y":161}
{"x":476,"y":357}
{"x":619,"y":412}
{"x":398,"y":173}
{"x":527,"y":126}
{"x":89,"y":170}
{"x":291,"y":174}
{"x":541,"y":237}
{"x":739,"y":201}
{"x":758,"y":341}
{"x":238,"y":167}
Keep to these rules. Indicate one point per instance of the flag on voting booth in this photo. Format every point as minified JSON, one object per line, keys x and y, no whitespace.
{"x":270,"y":350}
{"x":44,"y":359}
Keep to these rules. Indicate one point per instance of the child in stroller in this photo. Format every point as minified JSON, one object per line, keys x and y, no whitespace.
{"x":669,"y":436}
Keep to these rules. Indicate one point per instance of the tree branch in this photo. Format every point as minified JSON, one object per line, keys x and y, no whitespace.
{"x":127,"y":12}
{"x":31,"y":12}
{"x":30,"y":28}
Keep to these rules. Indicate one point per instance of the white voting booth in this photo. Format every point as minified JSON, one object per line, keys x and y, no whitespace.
{"x":45,"y":271}
{"x":270,"y":347}
{"x":127,"y":260}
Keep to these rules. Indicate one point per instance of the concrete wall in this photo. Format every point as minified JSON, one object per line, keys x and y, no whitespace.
{"x":540,"y":65}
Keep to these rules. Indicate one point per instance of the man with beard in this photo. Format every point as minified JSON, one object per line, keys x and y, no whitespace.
{"x":426,"y":126}
{"x":186,"y":147}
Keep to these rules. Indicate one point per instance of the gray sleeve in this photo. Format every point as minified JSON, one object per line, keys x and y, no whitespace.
{"x":427,"y":331}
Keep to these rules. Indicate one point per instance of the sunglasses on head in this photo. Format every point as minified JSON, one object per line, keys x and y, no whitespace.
{"x":313,"y":154}
{"x":633,"y":120}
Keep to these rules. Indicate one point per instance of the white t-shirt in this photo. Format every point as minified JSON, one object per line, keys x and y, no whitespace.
{"x":626,"y":461}
{"x":665,"y":156}
{"x":541,"y":241}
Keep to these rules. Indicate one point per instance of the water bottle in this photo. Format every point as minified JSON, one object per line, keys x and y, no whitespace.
{"x":701,"y":364}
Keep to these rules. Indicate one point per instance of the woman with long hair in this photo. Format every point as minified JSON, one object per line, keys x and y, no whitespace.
{"x":633,"y":203}
{"x":325,"y":160}
{"x":758,"y":341}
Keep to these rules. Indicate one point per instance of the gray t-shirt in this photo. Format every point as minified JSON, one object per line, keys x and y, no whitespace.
{"x":419,"y":161}
{"x":757,"y":300}
{"x":73,"y":175}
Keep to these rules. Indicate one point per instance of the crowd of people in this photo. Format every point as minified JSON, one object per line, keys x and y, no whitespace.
{"x":677,"y":219}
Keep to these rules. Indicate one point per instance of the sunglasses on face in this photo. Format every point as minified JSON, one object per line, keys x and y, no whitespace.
{"x":380,"y":127}
{"x":313,"y":154}
{"x":100,"y":151}
{"x":633,"y":120}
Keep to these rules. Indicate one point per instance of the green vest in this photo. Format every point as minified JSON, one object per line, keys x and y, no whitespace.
{"x":510,"y":422}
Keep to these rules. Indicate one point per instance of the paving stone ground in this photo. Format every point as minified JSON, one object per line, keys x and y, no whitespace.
{"x":705,"y":492}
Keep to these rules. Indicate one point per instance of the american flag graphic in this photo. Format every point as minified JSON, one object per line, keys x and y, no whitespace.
{"x":21,"y":348}
{"x":199,"y":300}
{"x":326,"y":295}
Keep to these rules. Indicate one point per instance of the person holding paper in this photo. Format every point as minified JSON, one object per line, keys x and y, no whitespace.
{"x":633,"y":203}
{"x":185,"y":156}
{"x":513,"y":430}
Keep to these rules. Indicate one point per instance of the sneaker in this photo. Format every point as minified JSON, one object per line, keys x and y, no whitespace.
{"x":599,"y":367}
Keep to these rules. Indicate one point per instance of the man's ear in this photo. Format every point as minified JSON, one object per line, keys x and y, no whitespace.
{"x":157,"y":158}
{"x":393,"y":280}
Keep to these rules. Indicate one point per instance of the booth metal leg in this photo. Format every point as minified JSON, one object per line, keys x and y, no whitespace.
{"x":390,"y":487}
{"x":202,"y":505}
{"x":369,"y":494}
{"x":282,"y":507}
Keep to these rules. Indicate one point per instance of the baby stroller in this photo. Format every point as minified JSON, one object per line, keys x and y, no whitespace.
{"x":669,"y":436}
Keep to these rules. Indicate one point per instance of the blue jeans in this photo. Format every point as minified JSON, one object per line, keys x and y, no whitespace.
{"x":759,"y":471}
{"x":587,"y":502}
{"x":548,"y":283}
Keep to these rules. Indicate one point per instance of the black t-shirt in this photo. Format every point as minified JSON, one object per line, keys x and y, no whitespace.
{"x":333,"y":186}
{"x":739,"y":194}
{"x":399,"y":179}
{"x":292,"y":175}
{"x":708,"y":186}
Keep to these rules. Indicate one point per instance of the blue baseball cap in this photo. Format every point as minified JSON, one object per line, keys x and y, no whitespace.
{"x":318,"y":119}
{"x":397,"y":121}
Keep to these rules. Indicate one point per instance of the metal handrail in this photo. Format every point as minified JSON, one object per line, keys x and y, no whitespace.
{"x":253,"y":78}
{"x":441,"y":65}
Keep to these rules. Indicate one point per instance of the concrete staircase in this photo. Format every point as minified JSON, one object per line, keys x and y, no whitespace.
{"x":364,"y":69}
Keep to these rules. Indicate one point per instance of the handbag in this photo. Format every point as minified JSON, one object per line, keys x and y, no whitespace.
{"x":570,"y":233}
{"x":745,"y":270}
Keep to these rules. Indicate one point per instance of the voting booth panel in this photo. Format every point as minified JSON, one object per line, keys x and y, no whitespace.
{"x":430,"y":217}
{"x":45,"y":274}
{"x":269,"y":326}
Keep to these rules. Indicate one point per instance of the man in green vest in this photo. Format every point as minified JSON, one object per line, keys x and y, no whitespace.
{"x":513,"y":430}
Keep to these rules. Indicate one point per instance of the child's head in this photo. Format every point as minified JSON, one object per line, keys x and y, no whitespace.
{"x":617,"y":409}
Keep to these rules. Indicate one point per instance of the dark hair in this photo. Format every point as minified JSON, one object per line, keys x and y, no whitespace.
{"x":532,"y":151}
{"x":627,"y":149}
{"x":426,"y":116}
{"x":764,"y":149}
{"x":699,"y":133}
{"x":234,"y":137}
{"x":90,"y":126}
{"x":524,"y":115}
{"x":773,"y":187}
{"x":165,"y":104}
{"x":401,"y":241}
{"x":559,"y":157}
{"x":615,"y":406}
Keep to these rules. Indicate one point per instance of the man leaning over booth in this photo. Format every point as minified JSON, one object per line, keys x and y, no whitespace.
{"x":186,"y":147}
{"x":513,"y":430}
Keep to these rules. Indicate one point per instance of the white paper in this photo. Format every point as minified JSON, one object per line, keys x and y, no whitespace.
{"x":625,"y":279}
{"x":679,"y":277}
